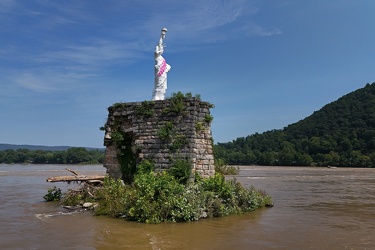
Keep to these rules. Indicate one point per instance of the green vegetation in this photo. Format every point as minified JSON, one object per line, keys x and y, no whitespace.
{"x":168,"y":133}
{"x":181,"y":96}
{"x":161,"y":198}
{"x":71,"y":156}
{"x":208,"y":118}
{"x":167,"y":196}
{"x":146,"y":108}
{"x":179,"y":141}
{"x":222,"y":168}
{"x":117,"y":105}
{"x":165,"y":132}
{"x":180,"y":170}
{"x":125,"y":154}
{"x":54,"y":194}
{"x":177,"y":100}
{"x":342,"y":133}
{"x":86,"y":193}
{"x":199,"y":127}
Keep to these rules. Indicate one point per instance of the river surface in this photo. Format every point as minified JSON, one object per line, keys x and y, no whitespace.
{"x":315,"y":208}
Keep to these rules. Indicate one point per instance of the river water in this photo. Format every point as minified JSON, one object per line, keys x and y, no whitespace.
{"x":315,"y":208}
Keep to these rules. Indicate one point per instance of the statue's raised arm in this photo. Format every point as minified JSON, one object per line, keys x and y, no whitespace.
{"x":161,"y":69}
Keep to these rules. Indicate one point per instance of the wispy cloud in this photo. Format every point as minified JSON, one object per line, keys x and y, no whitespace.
{"x":34,"y":82}
{"x":65,"y":55}
{"x":92,"y":55}
{"x":45,"y":81}
{"x":195,"y":21}
{"x":252,"y":29}
{"x":70,"y":11}
{"x":205,"y":15}
{"x":48,"y":79}
{"x":69,"y":67}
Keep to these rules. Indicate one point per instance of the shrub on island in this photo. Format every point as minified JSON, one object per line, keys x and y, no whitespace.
{"x":160,"y":197}
{"x":169,"y":196}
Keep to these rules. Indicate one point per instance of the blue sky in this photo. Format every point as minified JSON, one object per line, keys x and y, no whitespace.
{"x":264,"y":64}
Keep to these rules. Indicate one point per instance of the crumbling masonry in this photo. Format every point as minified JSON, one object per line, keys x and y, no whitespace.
{"x":161,"y":132}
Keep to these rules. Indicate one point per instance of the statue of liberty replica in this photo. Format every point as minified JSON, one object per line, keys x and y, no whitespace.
{"x":161,"y":69}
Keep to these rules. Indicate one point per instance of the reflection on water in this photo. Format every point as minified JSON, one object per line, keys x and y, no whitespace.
{"x":315,"y":208}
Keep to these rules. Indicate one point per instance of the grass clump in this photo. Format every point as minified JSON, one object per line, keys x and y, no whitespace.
{"x":53,"y":194}
{"x":222,"y":168}
{"x":146,"y":108}
{"x":177,"y":102}
{"x":165,"y":132}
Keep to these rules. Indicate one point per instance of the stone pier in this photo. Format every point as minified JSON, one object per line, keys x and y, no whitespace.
{"x":160,"y":132}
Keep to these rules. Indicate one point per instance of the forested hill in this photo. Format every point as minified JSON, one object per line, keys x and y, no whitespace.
{"x":32,"y":147}
{"x":4,"y":146}
{"x":10,"y":153}
{"x":342,"y":133}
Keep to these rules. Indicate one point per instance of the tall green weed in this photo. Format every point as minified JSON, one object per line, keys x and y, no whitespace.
{"x":222,"y":168}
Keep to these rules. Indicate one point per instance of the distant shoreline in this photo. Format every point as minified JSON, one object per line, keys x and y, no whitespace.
{"x":5,"y":146}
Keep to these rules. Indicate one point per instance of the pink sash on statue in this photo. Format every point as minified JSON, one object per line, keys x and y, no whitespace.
{"x":162,"y":67}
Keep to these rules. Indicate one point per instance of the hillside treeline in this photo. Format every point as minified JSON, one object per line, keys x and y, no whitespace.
{"x":71,"y":156}
{"x":342,"y":133}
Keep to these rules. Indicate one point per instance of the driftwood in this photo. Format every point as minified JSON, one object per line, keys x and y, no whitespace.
{"x":76,"y":178}
{"x":93,"y":179}
{"x":72,"y":171}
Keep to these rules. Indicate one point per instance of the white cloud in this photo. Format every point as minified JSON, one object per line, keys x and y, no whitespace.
{"x":33,"y":82}
{"x":36,"y":82}
{"x":252,"y":29}
{"x":205,"y":15}
{"x":88,"y":57}
{"x":191,"y":21}
{"x":49,"y":80}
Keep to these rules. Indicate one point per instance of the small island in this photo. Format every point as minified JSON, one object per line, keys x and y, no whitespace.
{"x":161,"y":167}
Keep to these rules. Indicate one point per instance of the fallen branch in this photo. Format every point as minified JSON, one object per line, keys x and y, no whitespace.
{"x":76,"y":178}
{"x":72,"y":171}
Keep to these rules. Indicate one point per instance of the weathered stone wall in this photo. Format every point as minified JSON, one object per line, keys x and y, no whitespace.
{"x":161,"y":131}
